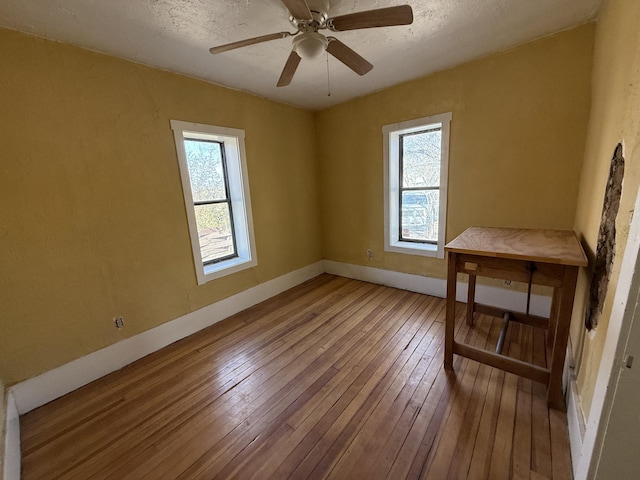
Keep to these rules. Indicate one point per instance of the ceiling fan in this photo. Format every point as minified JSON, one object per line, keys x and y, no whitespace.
{"x":310,"y":16}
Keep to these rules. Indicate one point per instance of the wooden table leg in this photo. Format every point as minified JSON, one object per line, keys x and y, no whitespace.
{"x":553,"y":316}
{"x":471,"y":300}
{"x":555,"y":396}
{"x":450,"y":318}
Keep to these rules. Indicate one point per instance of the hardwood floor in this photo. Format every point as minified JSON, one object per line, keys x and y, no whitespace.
{"x":335,"y":378}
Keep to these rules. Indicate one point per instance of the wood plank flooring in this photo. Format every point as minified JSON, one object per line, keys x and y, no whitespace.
{"x":335,"y":378}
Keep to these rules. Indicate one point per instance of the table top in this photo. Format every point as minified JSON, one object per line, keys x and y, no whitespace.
{"x":547,"y":246}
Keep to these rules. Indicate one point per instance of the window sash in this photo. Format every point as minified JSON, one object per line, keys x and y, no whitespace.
{"x":226,"y":199}
{"x":237,"y":188}
{"x":234,"y":253}
{"x":392,"y":184}
{"x":402,"y":189}
{"x":401,"y":236}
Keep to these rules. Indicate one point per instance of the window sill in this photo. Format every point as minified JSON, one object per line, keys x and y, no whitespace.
{"x":227,"y":267}
{"x":410,"y":248}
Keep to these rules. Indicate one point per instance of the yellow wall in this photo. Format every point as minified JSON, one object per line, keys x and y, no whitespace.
{"x":92,"y":221}
{"x":2,"y":427}
{"x":92,"y":217}
{"x":516,"y":149}
{"x":615,"y":117}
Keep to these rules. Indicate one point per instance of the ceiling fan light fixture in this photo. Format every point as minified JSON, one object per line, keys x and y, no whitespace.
{"x":310,"y":45}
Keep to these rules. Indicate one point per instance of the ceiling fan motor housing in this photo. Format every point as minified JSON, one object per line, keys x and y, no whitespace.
{"x":319,"y":14}
{"x":319,"y":10}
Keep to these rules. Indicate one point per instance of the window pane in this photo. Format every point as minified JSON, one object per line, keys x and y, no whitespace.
{"x":204,"y":159}
{"x":420,"y":211}
{"x":214,"y":231}
{"x":421,"y":159}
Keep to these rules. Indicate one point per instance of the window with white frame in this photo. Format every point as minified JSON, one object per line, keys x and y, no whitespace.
{"x":416,"y":156}
{"x":216,"y":192}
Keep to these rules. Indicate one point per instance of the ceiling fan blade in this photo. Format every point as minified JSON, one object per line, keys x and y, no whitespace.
{"x":382,"y":17}
{"x":249,"y":41}
{"x":289,"y":69}
{"x":298,"y":9}
{"x":347,"y":56}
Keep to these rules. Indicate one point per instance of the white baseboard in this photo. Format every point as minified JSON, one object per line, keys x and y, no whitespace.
{"x":34,"y":392}
{"x":55,"y":383}
{"x":37,"y":391}
{"x":498,"y":297}
{"x":11,"y":466}
{"x":576,"y":424}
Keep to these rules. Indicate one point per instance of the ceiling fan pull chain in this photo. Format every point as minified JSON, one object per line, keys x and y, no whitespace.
{"x":328,"y":84}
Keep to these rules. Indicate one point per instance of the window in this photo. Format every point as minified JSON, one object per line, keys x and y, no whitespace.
{"x":416,"y":155}
{"x":216,"y":191}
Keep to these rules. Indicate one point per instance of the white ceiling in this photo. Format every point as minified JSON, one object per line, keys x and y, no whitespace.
{"x":176,"y":34}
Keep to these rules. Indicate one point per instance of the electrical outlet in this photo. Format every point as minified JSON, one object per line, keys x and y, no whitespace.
{"x":369,"y":254}
{"x":119,"y":321}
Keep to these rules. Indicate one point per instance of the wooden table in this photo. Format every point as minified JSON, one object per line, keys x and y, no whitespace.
{"x":542,"y":257}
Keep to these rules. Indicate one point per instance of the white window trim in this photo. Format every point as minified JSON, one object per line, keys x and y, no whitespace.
{"x":233,"y":140}
{"x":390,"y":136}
